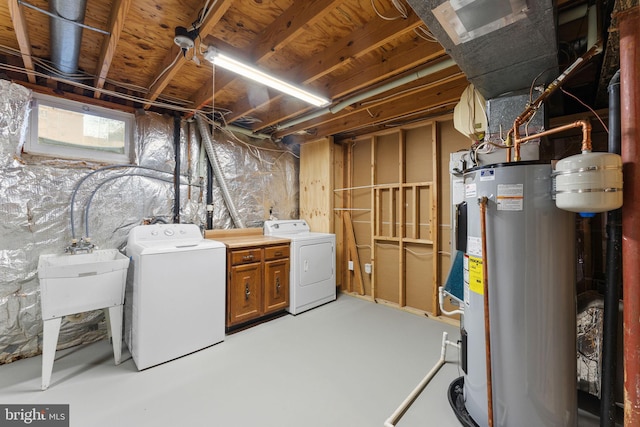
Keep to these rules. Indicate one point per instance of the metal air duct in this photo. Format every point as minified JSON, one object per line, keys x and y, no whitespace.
{"x":500,"y":45}
{"x":66,"y":36}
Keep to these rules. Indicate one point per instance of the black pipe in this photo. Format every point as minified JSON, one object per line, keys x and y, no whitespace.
{"x":209,"y":196}
{"x":176,"y":179}
{"x":613,"y":272}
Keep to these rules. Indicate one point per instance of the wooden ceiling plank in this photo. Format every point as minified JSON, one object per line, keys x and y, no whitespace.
{"x":410,"y":100}
{"x":289,"y":25}
{"x":360,"y":42}
{"x":357,"y":44}
{"x":119,"y":11}
{"x":174,"y":60}
{"x":20,"y":28}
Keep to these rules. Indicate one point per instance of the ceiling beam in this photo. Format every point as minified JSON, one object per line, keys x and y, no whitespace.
{"x":357,"y":44}
{"x":174,"y":60}
{"x":119,"y":11}
{"x":20,"y":28}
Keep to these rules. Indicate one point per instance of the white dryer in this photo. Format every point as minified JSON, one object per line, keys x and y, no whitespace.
{"x":313,"y":263}
{"x":175,"y":294}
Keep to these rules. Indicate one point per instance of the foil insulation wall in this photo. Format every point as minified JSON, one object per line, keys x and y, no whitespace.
{"x":35,"y":195}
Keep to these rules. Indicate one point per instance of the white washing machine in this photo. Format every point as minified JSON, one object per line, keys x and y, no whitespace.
{"x":313,"y":263}
{"x":175,"y":294}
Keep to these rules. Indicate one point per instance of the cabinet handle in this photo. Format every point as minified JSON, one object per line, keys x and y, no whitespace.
{"x":247,"y":257}
{"x":278,"y":284}
{"x":279,"y":253}
{"x":247,"y":292}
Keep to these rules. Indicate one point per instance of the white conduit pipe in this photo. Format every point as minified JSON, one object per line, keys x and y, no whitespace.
{"x":217,"y":170}
{"x":441,"y":302}
{"x":368,"y":94}
{"x":395,"y":417}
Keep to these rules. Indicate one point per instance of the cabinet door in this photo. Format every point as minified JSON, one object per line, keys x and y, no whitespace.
{"x":245,"y":296}
{"x":276,"y":285}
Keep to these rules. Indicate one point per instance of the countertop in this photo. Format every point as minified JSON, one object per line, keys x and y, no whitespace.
{"x":244,"y":237}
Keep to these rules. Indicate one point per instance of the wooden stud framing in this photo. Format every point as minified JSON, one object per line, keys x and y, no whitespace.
{"x":374,"y":215}
{"x":435,"y":215}
{"x":349,"y":205}
{"x":402,"y":272}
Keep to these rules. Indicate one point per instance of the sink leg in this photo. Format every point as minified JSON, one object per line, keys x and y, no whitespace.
{"x":115,"y":323}
{"x":49,"y":342}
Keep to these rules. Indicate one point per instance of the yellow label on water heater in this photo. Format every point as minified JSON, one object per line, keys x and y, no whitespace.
{"x":475,"y":275}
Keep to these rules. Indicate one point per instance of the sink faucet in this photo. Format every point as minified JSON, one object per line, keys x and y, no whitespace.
{"x":83,"y":245}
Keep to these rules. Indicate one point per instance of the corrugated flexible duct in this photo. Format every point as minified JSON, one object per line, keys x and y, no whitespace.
{"x":217,"y":171}
{"x":65,"y":36}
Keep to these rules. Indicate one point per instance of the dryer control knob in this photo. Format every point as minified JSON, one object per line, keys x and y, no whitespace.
{"x":168,"y":232}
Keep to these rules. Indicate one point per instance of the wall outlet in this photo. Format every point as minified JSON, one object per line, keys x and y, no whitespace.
{"x":351,"y":265}
{"x":367,"y":268}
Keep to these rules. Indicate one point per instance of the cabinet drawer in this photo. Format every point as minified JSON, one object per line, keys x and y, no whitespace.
{"x":276,"y":252}
{"x":246,"y":256}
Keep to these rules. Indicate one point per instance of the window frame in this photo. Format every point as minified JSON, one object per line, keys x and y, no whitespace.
{"x":33,"y":146}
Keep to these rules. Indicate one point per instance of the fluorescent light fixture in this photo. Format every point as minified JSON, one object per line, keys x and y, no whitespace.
{"x":250,"y":72}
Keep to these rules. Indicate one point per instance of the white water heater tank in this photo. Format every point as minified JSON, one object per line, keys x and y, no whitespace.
{"x":589,"y":182}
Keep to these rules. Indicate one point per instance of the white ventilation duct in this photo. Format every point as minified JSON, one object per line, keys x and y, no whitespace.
{"x":66,"y":36}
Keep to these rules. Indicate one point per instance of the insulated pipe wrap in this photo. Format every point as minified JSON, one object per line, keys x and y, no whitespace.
{"x":217,"y":171}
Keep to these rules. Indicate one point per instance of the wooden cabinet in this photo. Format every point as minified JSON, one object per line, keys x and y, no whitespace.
{"x":244,"y":299}
{"x":257,"y":274}
{"x":276,"y":279}
{"x":257,"y":283}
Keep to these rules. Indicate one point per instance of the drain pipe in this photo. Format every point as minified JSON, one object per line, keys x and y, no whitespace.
{"x":217,"y":170}
{"x":431,"y":69}
{"x":176,"y":176}
{"x":441,"y":303}
{"x":66,"y":37}
{"x":398,"y":413}
{"x":209,"y":197}
{"x":613,"y":269}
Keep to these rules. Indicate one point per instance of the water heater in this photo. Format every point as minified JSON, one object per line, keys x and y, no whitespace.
{"x":531,"y":290}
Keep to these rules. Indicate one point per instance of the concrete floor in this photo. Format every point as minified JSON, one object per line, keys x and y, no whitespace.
{"x":348,"y":363}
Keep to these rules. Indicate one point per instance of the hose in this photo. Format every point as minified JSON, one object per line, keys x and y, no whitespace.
{"x":93,"y":193}
{"x":75,"y":190}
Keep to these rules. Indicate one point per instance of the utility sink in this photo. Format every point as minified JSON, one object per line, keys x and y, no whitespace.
{"x":77,"y":283}
{"x":72,"y":284}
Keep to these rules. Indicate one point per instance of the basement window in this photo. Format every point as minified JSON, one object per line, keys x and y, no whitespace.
{"x":68,"y":129}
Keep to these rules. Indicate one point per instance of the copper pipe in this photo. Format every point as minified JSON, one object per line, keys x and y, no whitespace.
{"x":531,"y":108}
{"x":586,"y":135}
{"x":630,"y":135}
{"x":485,"y":289}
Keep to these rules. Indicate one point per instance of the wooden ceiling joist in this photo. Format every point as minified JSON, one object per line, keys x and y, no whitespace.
{"x":119,"y":11}
{"x":20,"y":28}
